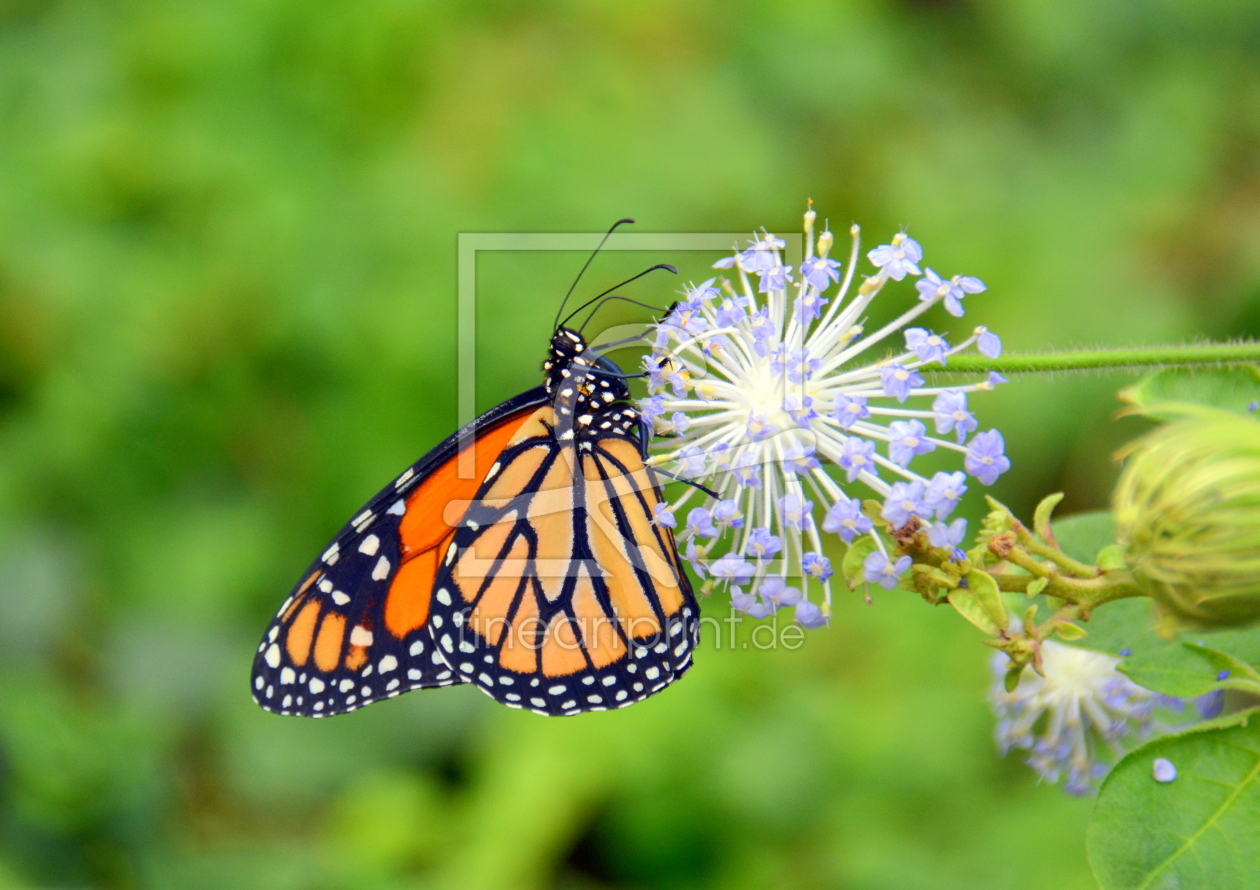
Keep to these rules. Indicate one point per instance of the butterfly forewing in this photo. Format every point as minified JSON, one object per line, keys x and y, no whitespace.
{"x":559,"y":594}
{"x":355,"y":629}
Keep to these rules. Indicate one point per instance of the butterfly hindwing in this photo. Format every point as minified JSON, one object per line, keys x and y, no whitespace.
{"x":560,"y":594}
{"x":355,"y":629}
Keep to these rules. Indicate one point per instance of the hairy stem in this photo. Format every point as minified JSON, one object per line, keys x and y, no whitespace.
{"x":1146,"y":357}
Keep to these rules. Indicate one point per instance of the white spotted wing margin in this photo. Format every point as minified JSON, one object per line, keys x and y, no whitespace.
{"x":559,"y":594}
{"x":326,"y":651}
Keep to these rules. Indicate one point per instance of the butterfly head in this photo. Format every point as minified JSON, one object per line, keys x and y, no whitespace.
{"x":575,"y":374}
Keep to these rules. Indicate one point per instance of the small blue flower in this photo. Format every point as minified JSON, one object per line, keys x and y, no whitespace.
{"x":950,"y":412}
{"x":732,"y":568}
{"x":809,"y":615}
{"x":816,"y":566}
{"x":930,"y":347}
{"x":907,"y":439}
{"x":989,"y":343}
{"x":656,"y":369}
{"x":856,"y":457}
{"x":679,"y":421}
{"x":848,"y":410}
{"x":778,"y":360}
{"x":663,"y":516}
{"x":820,"y":272}
{"x":763,"y":330}
{"x":904,"y":502}
{"x":878,"y":570}
{"x":809,"y":307}
{"x":846,"y":519}
{"x":691,"y":461}
{"x":703,"y":292}
{"x":652,"y":407}
{"x":759,"y":428}
{"x":952,"y":291}
{"x":795,"y":510}
{"x":679,"y":382}
{"x":742,"y":602}
{"x":944,"y":492}
{"x":730,"y":313}
{"x":995,"y":380}
{"x":764,"y":545}
{"x":759,"y":258}
{"x":898,"y":380}
{"x":801,"y":366}
{"x":761,"y":610}
{"x":747,"y":471}
{"x":774,"y":278}
{"x":947,"y":537}
{"x":898,"y":259}
{"x":985,"y":458}
{"x":800,"y":408}
{"x":687,"y":318}
{"x":800,"y":459}
{"x":774,"y":590}
{"x":700,"y":522}
{"x":726,"y":514}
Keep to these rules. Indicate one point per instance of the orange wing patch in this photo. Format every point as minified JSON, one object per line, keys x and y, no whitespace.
{"x":297,"y":642}
{"x":561,"y":652}
{"x":425,"y":532}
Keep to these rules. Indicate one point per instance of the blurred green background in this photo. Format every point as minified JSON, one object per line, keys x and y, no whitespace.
{"x":227,"y":307}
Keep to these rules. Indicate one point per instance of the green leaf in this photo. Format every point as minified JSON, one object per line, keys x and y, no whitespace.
{"x":1172,"y":670}
{"x":1234,"y":388}
{"x":1190,"y":669}
{"x":964,"y":602}
{"x":854,"y":561}
{"x":1041,"y":516}
{"x":1200,"y":829}
{"x":987,"y":595}
{"x":1232,"y":672}
{"x":1069,"y":632}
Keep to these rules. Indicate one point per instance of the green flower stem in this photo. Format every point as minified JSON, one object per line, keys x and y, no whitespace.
{"x":1083,"y":595}
{"x":1133,"y":359}
{"x":1077,"y":568}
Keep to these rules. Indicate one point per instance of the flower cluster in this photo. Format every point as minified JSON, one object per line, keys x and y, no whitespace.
{"x":763,"y":392}
{"x":1076,"y":716}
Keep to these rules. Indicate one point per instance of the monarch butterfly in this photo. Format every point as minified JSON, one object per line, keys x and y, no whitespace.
{"x":539,"y":577}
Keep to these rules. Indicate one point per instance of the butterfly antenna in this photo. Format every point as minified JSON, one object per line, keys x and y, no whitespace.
{"x":582,"y":271}
{"x":609,"y":300}
{"x":696,"y":485}
{"x":615,"y":286}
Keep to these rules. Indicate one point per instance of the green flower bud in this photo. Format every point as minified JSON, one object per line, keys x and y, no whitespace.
{"x":1187,"y":507}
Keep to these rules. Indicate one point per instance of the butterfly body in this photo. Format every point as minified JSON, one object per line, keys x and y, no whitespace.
{"x":520,"y":555}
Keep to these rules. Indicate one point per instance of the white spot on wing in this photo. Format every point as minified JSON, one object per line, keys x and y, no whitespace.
{"x":381,"y":572}
{"x":387,"y":664}
{"x":369,"y":546}
{"x":360,"y":636}
{"x":273,"y":656}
